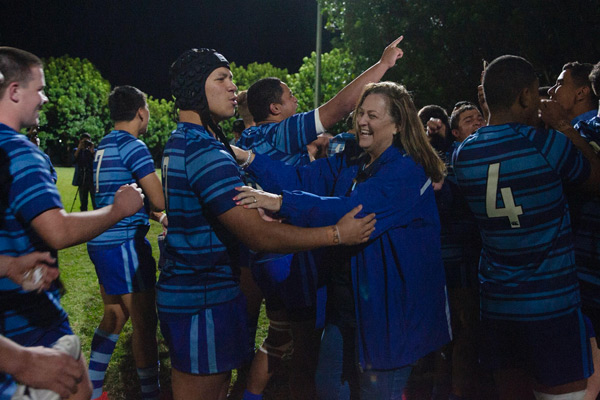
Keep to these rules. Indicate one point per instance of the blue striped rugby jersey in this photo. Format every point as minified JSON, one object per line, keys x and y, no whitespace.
{"x":461,"y":243}
{"x":585,"y":210}
{"x":513,"y":178}
{"x":31,"y":193}
{"x":8,"y":387}
{"x":199,"y":178}
{"x":284,"y":141}
{"x":120,"y":159}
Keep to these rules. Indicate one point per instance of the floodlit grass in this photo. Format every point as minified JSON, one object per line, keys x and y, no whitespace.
{"x":84,"y":306}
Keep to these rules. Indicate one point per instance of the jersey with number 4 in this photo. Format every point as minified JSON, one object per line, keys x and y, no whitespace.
{"x":513,"y":178}
{"x":120,"y":159}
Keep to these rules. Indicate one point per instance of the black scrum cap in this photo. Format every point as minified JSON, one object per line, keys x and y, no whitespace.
{"x":188,"y":75}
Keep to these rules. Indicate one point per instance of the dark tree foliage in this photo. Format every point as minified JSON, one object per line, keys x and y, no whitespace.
{"x":77,"y":102}
{"x":445,"y":41}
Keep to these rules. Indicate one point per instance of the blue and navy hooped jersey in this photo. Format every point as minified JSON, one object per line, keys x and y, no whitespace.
{"x":8,"y":387}
{"x":284,"y":141}
{"x":585,"y":211}
{"x":513,"y":178}
{"x":461,"y":242}
{"x":120,"y":159}
{"x":337,"y":144}
{"x":199,"y":179}
{"x":31,"y":193}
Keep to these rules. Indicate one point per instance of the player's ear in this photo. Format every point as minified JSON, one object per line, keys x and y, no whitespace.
{"x":583,"y":93}
{"x":275,"y":108}
{"x":525,"y":98}
{"x":14,"y":92}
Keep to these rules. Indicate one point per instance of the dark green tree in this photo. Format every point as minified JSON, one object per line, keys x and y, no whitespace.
{"x":446,"y":40}
{"x":160,"y":126}
{"x":77,"y":96}
{"x":337,"y":70}
{"x":244,"y":77}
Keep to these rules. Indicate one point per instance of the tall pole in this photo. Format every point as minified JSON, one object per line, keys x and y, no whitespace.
{"x":318,"y":51}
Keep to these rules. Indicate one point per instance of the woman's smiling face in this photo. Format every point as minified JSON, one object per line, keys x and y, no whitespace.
{"x":375,"y":126}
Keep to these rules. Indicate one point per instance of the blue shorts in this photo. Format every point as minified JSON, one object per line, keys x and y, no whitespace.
{"x":287,"y":282}
{"x":554,"y":351}
{"x":211,"y":342}
{"x":271,"y":273}
{"x":128,"y":268}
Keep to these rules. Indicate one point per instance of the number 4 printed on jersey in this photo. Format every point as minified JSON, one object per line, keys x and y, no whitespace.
{"x":509,"y":210}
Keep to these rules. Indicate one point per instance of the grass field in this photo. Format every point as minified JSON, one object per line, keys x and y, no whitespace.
{"x":84,"y":305}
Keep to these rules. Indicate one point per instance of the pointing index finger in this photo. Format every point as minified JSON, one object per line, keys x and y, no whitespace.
{"x":397,"y":41}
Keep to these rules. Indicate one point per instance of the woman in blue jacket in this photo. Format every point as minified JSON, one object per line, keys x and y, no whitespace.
{"x":386,"y":300}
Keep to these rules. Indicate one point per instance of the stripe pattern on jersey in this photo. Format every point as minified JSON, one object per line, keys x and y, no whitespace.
{"x":199,"y":180}
{"x":512,"y":176}
{"x":120,"y":159}
{"x":284,"y":141}
{"x":586,"y":226}
{"x":31,"y":193}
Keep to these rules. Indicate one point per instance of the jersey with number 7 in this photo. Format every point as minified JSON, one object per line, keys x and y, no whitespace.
{"x":513,"y":177}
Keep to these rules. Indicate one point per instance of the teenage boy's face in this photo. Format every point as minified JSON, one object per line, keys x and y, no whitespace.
{"x":564,"y":90}
{"x":32,"y":97}
{"x":220,"y":94}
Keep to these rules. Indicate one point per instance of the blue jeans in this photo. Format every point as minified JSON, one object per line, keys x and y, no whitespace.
{"x":339,"y":376}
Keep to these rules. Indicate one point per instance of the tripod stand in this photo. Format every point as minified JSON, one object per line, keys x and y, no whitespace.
{"x":74,"y":198}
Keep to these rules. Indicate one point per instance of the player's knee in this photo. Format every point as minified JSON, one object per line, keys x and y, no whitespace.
{"x":147,"y":320}
{"x":114,"y":319}
{"x":278,"y":342}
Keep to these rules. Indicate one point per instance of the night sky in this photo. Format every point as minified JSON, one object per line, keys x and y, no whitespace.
{"x":134,"y":42}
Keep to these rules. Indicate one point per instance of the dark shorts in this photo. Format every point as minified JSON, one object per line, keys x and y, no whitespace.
{"x":593,"y":315}
{"x":210,"y":342}
{"x":464,"y":310}
{"x":271,"y":273}
{"x":285,"y":284}
{"x":128,"y":268}
{"x":44,"y":337}
{"x":553,"y":351}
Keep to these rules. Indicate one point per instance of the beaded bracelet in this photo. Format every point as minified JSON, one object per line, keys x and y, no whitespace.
{"x":247,"y":162}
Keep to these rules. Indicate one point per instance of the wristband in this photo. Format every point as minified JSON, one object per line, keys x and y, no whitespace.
{"x":247,"y":162}
{"x":160,"y":220}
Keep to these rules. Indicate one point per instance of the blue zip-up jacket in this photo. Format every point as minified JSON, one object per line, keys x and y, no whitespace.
{"x":397,"y":276}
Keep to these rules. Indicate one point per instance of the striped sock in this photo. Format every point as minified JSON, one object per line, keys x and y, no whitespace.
{"x":149,"y":382}
{"x":103,"y":345}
